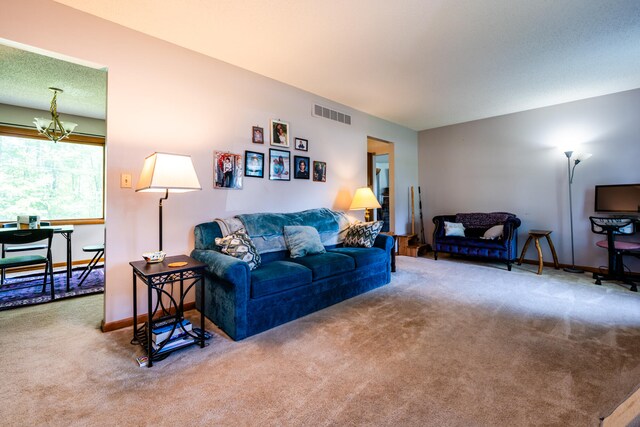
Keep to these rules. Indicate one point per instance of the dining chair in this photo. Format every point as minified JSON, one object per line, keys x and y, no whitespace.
{"x":20,"y":248}
{"x":26,"y":237}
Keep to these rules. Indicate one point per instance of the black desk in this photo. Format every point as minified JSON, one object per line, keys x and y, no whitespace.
{"x":156,"y":277}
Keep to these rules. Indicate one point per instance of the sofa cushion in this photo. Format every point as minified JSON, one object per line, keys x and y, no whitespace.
{"x":327,"y":264}
{"x":302,"y":240}
{"x":278,"y":276}
{"x":240,"y":246}
{"x":363,"y":234}
{"x":363,"y":256}
{"x":472,"y":242}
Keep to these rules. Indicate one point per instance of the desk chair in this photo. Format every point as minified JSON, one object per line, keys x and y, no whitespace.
{"x":20,"y":248}
{"x":616,"y":250}
{"x":25,"y":237}
{"x":99,"y":251}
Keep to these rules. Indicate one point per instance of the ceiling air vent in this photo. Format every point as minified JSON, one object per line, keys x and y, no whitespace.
{"x":328,"y":113}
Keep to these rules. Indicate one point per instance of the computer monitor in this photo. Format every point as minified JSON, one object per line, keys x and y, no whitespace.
{"x":622,"y":198}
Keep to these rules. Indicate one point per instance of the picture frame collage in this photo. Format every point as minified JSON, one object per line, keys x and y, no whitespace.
{"x":229,"y":168}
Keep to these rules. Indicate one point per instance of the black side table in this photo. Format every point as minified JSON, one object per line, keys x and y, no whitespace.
{"x":158,"y":276}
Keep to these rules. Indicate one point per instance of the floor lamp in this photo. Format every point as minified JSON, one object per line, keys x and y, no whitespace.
{"x":167,"y":173}
{"x":571,"y":171}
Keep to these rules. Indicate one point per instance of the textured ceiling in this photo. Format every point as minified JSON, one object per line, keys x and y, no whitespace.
{"x":25,"y":78}
{"x":420,"y":63}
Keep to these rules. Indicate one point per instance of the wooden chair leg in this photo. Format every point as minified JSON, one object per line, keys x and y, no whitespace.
{"x":524,"y":249}
{"x":553,"y":252}
{"x":540,"y":263}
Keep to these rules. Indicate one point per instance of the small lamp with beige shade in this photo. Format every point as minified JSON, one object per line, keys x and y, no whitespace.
{"x":365,"y":199}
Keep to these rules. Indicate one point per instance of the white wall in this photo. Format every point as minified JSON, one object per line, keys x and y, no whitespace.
{"x":165,"y":98}
{"x":512,"y":163}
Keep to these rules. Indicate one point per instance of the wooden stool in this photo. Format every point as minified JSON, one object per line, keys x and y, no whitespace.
{"x":536,"y":235}
{"x":408,"y":245}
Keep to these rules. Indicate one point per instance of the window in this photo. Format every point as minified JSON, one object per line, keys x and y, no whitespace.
{"x":57,"y":181}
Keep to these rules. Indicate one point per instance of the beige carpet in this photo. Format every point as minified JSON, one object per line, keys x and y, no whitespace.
{"x":447,"y":343}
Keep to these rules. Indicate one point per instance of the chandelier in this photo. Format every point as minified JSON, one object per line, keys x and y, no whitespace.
{"x":54,"y":129}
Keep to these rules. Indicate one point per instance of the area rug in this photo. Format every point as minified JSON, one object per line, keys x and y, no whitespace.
{"x":446,"y":343}
{"x":27,"y":290}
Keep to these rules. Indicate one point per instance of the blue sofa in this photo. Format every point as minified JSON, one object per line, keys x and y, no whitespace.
{"x":244,"y":302}
{"x":504,"y":248}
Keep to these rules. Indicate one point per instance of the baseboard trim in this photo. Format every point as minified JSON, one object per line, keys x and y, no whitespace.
{"x":124,"y":323}
{"x":581,"y":267}
{"x":56,"y":265}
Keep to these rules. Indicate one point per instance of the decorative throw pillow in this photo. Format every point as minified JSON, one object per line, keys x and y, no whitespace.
{"x":453,"y":229}
{"x":302,"y":240}
{"x":239,"y":245}
{"x":363,"y":234}
{"x":494,"y":232}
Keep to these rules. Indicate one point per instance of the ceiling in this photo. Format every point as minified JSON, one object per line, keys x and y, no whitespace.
{"x":418,"y":63}
{"x":26,"y":77}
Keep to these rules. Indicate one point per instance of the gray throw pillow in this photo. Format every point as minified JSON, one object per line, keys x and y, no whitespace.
{"x":302,"y":240}
{"x":239,"y":245}
{"x":363,"y":234}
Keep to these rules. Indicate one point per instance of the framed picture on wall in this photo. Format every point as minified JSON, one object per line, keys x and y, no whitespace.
{"x":257,"y":135}
{"x":227,"y":170}
{"x":254,"y":164}
{"x":301,"y":144}
{"x":279,"y":165}
{"x":279,"y":133}
{"x":319,"y":171}
{"x":301,"y":167}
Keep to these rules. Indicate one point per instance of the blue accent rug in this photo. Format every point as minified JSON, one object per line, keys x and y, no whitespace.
{"x":27,"y":290}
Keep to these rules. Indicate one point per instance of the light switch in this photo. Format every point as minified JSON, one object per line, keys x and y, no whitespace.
{"x":125,"y":180}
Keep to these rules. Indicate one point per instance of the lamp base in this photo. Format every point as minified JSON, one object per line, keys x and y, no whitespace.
{"x":573,"y":269}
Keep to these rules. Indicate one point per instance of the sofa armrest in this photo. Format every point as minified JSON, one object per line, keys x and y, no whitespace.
{"x":223,"y":266}
{"x":384,"y":242}
{"x":227,"y":282}
{"x":439,"y":222}
{"x":510,"y":227}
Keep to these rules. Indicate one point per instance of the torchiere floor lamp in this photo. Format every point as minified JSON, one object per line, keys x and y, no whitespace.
{"x":571,"y":171}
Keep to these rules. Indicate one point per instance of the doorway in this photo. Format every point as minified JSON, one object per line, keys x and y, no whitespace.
{"x":61,"y":183}
{"x":380,"y":178}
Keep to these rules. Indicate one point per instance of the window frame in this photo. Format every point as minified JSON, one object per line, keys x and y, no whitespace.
{"x":20,"y":132}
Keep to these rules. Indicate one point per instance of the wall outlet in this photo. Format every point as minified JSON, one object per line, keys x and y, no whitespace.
{"x":125,"y":180}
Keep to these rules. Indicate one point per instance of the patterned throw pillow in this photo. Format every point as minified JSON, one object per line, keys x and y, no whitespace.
{"x":363,"y":234}
{"x":239,"y":245}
